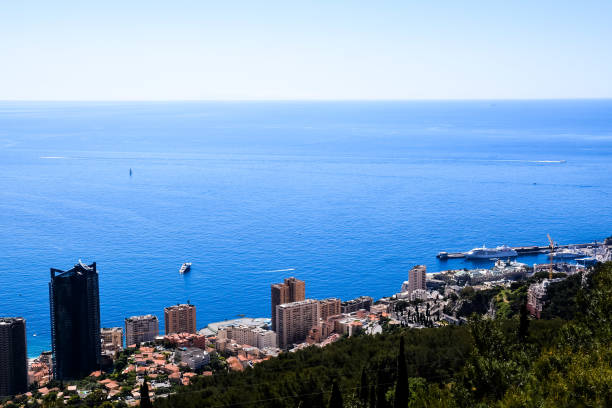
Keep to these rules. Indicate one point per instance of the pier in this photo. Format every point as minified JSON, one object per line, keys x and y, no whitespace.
{"x":521,"y":250}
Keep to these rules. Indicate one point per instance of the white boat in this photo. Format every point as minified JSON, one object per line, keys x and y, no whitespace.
{"x":501,"y":264}
{"x":568,"y":253}
{"x":186,"y":267}
{"x":503,"y":251}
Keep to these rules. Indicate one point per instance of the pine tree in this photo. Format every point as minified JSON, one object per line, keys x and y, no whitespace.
{"x":145,"y":401}
{"x":363,"y":389}
{"x":401,"y":387}
{"x":335,"y":399}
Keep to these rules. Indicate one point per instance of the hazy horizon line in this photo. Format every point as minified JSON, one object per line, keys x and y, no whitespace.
{"x":312,"y":100}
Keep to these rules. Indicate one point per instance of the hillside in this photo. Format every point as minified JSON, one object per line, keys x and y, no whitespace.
{"x":506,"y":362}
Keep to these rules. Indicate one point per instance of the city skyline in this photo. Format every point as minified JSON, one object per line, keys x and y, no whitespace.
{"x":74,"y":304}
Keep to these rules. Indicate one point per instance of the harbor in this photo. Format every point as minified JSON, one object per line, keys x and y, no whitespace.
{"x":530,"y":249}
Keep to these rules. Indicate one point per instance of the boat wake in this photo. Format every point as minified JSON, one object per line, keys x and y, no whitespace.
{"x":279,"y":270}
{"x":531,"y":161}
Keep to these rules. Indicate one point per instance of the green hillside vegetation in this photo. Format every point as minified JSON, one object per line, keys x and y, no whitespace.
{"x":475,"y":301}
{"x":561,"y":303}
{"x":504,"y":362}
{"x":508,"y":301}
{"x":563,"y":299}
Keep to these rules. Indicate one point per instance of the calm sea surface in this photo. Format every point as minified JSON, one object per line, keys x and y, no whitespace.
{"x":350,"y":195}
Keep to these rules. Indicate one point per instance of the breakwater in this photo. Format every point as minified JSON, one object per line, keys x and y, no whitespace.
{"x":521,"y":250}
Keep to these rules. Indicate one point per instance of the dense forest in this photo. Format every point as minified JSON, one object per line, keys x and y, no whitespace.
{"x":510,"y":361}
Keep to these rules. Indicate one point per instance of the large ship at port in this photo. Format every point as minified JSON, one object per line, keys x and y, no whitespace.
{"x":503,"y":251}
{"x":186,"y":267}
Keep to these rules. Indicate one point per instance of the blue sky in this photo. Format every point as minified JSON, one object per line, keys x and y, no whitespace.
{"x":192,"y":50}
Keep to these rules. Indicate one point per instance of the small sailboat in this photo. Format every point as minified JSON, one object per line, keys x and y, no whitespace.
{"x":130,"y":172}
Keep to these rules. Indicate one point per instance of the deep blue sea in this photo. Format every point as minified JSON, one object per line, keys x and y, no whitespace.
{"x":350,"y":195}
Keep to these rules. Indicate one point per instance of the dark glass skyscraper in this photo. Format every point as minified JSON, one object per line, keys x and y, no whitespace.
{"x":13,"y":356}
{"x":75,"y":321}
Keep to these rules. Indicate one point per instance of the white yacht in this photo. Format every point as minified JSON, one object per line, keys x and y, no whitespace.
{"x":501,"y":264}
{"x":503,"y":251}
{"x":568,"y":253}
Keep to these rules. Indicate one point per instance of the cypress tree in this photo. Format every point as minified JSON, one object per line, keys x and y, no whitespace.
{"x":335,"y":399}
{"x":363,"y":389}
{"x":372,"y":396}
{"x":401,"y":387}
{"x":523,"y":323}
{"x":381,"y":390}
{"x":145,"y":401}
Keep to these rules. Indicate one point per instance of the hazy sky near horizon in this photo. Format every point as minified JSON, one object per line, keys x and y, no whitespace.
{"x":185,"y":50}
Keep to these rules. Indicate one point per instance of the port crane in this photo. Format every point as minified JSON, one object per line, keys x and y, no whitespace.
{"x":552,"y":250}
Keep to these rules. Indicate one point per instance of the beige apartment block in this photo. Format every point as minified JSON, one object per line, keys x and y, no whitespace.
{"x":252,"y":336}
{"x":291,"y":290}
{"x":329,"y":307}
{"x":417,"y":278}
{"x":294,"y":321}
{"x":112,"y":339}
{"x":141,"y":329}
{"x":180,"y":319}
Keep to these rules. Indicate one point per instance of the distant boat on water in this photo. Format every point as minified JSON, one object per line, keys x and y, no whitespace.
{"x":186,"y":267}
{"x":130,"y":172}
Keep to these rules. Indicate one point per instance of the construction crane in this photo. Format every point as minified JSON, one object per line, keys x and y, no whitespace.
{"x":552,"y":250}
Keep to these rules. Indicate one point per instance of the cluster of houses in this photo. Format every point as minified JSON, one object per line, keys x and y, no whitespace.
{"x":175,"y":359}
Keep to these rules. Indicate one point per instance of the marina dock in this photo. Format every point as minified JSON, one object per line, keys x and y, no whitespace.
{"x":521,"y":250}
